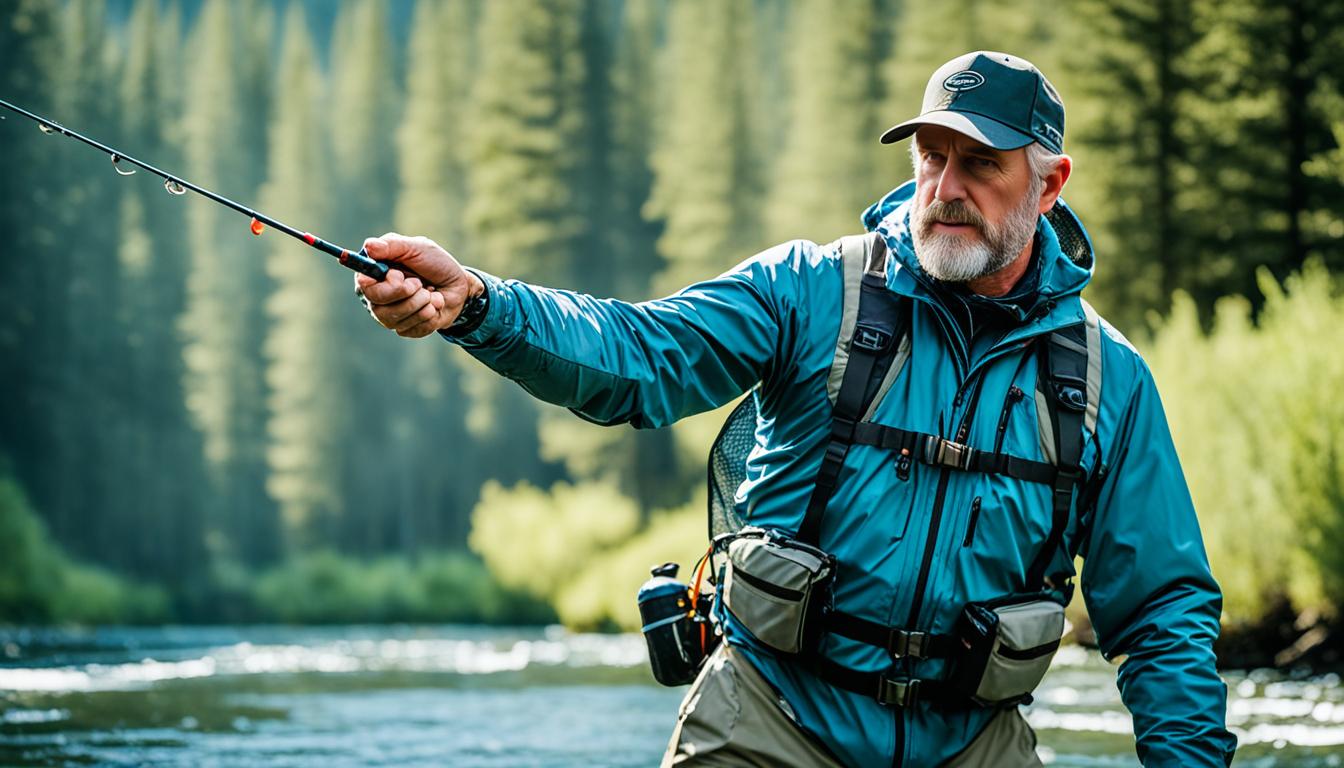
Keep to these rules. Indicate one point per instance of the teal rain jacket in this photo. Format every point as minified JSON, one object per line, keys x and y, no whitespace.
{"x":773,"y":319}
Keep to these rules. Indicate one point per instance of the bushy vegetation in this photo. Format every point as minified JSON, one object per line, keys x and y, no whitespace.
{"x":1256,"y":411}
{"x":39,"y":583}
{"x":325,"y":588}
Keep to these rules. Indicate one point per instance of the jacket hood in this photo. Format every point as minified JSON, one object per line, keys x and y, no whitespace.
{"x":1066,"y":250}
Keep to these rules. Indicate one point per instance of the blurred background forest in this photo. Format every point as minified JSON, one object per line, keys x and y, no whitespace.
{"x":204,"y":426}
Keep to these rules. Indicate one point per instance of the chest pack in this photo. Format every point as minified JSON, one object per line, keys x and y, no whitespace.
{"x":778,"y":585}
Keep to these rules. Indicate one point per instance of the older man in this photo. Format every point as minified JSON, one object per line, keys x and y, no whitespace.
{"x":985,"y":265}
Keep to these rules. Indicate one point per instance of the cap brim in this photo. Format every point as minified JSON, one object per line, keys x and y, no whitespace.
{"x":985,"y":130}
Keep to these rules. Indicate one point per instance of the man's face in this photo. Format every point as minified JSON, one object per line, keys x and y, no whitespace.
{"x":975,"y":207}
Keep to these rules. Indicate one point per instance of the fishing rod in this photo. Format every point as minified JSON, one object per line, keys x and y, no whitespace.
{"x":176,"y":185}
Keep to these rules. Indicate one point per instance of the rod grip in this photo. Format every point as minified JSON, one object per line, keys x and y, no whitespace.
{"x":360,"y":262}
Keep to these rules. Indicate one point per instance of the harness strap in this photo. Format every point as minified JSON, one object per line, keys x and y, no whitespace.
{"x":900,"y":643}
{"x":940,"y":452}
{"x":870,"y":350}
{"x":1064,"y":374}
{"x":888,"y":690}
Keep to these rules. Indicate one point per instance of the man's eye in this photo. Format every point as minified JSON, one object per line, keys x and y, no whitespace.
{"x":982,"y":163}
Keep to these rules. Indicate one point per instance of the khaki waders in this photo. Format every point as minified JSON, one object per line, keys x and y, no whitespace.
{"x":731,"y":717}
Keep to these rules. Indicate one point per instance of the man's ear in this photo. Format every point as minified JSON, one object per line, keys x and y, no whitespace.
{"x":1054,"y":183}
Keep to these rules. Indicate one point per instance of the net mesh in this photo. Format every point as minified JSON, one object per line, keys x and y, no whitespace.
{"x":728,"y":467}
{"x":1071,"y":238}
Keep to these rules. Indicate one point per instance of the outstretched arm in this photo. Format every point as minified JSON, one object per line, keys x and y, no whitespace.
{"x":647,"y":363}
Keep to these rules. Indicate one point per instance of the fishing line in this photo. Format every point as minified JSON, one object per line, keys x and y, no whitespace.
{"x":358,"y":261}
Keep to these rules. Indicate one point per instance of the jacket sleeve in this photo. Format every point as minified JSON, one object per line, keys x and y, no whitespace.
{"x":649,"y":363}
{"x":1151,"y":596}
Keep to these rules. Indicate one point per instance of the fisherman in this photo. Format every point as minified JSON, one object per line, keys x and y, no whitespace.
{"x":990,"y":262}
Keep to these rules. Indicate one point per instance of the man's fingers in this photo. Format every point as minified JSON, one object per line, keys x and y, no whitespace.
{"x":392,"y":289}
{"x":424,"y":314}
{"x":393,"y":247}
{"x":419,"y":331}
{"x":391,"y":315}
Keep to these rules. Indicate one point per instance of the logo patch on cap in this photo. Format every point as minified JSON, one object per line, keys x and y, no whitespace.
{"x":964,"y":80}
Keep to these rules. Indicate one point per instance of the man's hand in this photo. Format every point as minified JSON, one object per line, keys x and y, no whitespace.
{"x":427,"y":297}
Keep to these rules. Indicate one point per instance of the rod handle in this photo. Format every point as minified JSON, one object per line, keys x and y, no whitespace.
{"x":361,"y":263}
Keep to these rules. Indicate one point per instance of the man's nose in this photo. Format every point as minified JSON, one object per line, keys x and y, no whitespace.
{"x":950,"y":185}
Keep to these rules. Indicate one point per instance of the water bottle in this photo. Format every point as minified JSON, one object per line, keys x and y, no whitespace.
{"x":677,"y":631}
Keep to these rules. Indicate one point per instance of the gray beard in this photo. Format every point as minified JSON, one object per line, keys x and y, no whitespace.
{"x":952,"y":259}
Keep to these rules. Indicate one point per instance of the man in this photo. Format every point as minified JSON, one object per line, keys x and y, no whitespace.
{"x":986,"y":279}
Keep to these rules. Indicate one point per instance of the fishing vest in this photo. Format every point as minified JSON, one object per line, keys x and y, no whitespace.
{"x":871,"y":348}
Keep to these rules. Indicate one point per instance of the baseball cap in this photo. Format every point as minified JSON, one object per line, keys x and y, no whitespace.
{"x":995,"y":98}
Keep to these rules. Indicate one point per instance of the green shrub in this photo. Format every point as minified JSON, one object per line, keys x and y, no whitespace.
{"x":39,"y":584}
{"x":1256,"y":412}
{"x":326,"y":588}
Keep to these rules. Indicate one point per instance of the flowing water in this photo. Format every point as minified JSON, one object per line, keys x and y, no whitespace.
{"x":477,"y":698}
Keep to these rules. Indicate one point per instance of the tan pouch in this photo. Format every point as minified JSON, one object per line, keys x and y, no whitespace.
{"x":777,"y":588}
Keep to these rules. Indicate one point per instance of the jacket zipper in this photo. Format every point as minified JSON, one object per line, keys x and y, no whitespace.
{"x":1015,"y":395}
{"x":975,"y":517}
{"x":936,"y":519}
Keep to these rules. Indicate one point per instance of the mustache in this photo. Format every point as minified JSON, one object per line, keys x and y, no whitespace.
{"x":953,"y":212}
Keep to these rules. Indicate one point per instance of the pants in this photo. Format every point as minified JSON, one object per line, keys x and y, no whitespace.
{"x":731,"y":717}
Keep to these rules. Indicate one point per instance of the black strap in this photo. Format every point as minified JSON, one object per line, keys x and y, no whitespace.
{"x":877,"y":333}
{"x":898,"y":642}
{"x":892,"y":691}
{"x":941,"y":452}
{"x":1063,"y":373}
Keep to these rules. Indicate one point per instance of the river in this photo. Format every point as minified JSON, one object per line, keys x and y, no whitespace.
{"x":481,"y":698}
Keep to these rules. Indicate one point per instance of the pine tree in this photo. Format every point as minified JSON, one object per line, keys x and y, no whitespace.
{"x":30,"y":213}
{"x":1262,"y":72}
{"x":222,"y":322}
{"x":307,"y":421}
{"x":1139,"y":76}
{"x":634,"y":123}
{"x":706,"y":185}
{"x":431,"y":137}
{"x":826,"y":173}
{"x":431,"y":144}
{"x":366,"y":95}
{"x":157,"y":462}
{"x":526,"y":214}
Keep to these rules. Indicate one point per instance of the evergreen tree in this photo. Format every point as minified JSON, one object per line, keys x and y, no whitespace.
{"x":431,"y":137}
{"x":366,"y":95}
{"x":826,"y":173}
{"x":30,"y":212}
{"x":85,"y":380}
{"x":706,"y":185}
{"x":634,"y":123}
{"x":223,"y":320}
{"x":1262,"y":72}
{"x":431,"y":200}
{"x":1140,"y":76}
{"x":526,"y":214}
{"x":307,"y":421}
{"x":157,"y":457}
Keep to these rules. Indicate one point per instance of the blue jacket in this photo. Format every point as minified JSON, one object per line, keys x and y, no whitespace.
{"x":773,"y":319}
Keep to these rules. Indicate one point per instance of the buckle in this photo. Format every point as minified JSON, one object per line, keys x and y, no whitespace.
{"x":904,"y":643}
{"x":898,"y":691}
{"x":941,"y":452}
{"x":1070,"y":392}
{"x":870,"y":339}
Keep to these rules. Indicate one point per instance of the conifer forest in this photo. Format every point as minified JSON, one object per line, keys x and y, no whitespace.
{"x":203,"y":425}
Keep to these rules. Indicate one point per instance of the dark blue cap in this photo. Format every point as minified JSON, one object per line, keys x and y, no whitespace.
{"x":995,"y":98}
